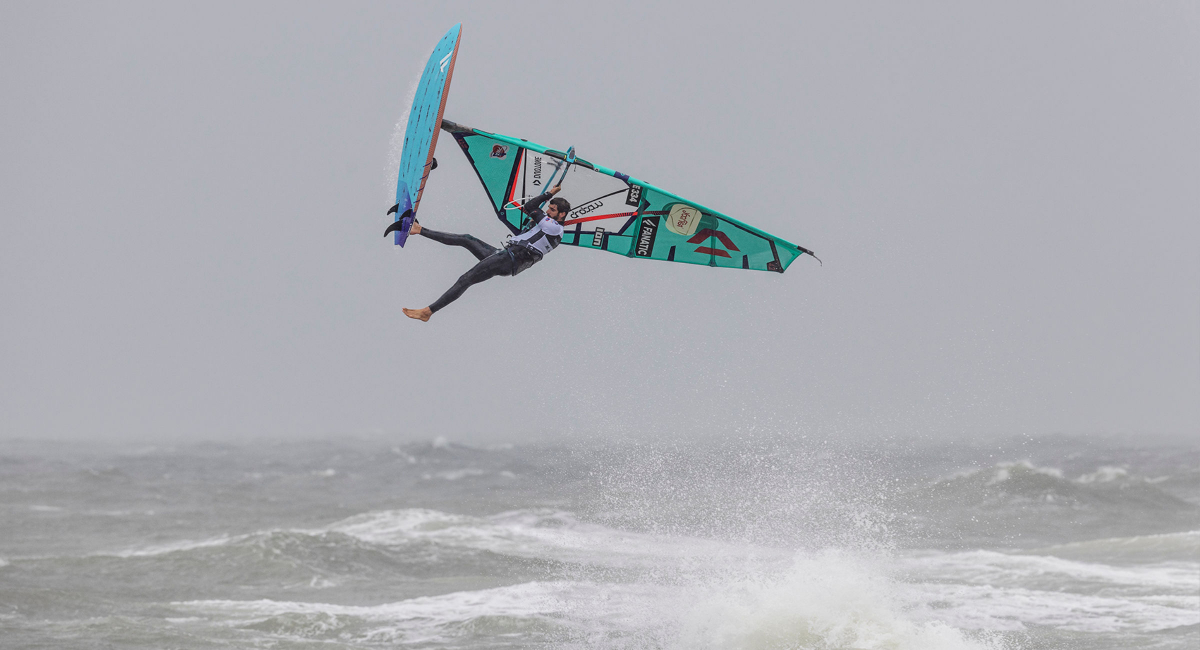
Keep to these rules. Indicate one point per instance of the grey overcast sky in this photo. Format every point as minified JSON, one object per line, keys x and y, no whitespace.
{"x":1006,"y":197}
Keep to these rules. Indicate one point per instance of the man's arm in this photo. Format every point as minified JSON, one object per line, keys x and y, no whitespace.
{"x":536,"y":202}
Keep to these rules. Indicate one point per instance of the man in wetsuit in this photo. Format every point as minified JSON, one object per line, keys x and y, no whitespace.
{"x":521,"y":252}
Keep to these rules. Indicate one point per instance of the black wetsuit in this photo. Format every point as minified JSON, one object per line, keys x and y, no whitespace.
{"x":493,"y":261}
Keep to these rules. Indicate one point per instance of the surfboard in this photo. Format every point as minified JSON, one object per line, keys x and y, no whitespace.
{"x":420,"y":138}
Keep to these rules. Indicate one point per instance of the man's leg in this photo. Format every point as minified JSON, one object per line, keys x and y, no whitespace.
{"x":477,"y":248}
{"x":499,"y":263}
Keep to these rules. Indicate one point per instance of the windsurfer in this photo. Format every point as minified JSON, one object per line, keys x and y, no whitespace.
{"x":521,"y":252}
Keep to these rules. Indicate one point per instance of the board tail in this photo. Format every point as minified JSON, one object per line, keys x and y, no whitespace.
{"x":400,"y":226}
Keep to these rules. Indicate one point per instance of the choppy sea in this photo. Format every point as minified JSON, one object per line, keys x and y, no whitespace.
{"x":743,"y":543}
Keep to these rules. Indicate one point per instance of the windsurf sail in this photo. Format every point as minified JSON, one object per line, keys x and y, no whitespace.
{"x":615,"y":212}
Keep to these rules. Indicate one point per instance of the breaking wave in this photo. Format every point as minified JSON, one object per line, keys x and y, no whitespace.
{"x":1028,"y":484}
{"x":827,"y":600}
{"x":661,"y":591}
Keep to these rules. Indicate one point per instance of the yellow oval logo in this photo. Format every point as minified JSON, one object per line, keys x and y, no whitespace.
{"x":683,"y":219}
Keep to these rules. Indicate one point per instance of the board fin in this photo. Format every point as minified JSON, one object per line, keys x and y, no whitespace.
{"x":401,"y":224}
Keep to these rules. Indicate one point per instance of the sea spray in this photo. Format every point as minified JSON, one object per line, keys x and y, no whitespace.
{"x":760,"y":492}
{"x":773,"y":544}
{"x":828,"y":599}
{"x":396,"y":144}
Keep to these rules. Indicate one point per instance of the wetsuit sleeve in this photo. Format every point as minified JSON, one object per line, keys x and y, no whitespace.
{"x":535,"y":203}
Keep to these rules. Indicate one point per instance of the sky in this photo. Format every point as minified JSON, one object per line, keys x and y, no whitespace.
{"x":1005,"y":197}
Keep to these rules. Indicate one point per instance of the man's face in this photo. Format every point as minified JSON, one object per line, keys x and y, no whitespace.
{"x":553,"y":213}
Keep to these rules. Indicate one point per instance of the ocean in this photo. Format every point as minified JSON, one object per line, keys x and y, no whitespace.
{"x":749,"y":542}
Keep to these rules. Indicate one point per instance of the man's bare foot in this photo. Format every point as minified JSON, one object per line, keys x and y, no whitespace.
{"x":419,"y":314}
{"x":415,"y":229}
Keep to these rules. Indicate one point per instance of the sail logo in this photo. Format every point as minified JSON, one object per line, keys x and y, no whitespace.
{"x":646,"y":234}
{"x":537,"y":170}
{"x":499,"y":151}
{"x":683,"y":219}
{"x":634,"y":196}
{"x":446,"y":60}
{"x":586,"y":208}
{"x":710,"y":236}
{"x":598,"y":238}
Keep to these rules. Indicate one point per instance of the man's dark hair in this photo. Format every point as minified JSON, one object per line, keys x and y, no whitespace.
{"x":563,"y":206}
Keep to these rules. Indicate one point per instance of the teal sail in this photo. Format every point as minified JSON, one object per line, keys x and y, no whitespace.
{"x":615,"y":212}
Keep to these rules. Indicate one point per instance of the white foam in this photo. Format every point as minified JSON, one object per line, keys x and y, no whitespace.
{"x":173,"y":547}
{"x":999,"y":591}
{"x":993,"y":568}
{"x":823,"y":600}
{"x":43,"y":508}
{"x":834,"y":599}
{"x":429,"y":619}
{"x":409,"y":458}
{"x":518,"y":600}
{"x":539,"y":534}
{"x":1004,"y":471}
{"x":697,"y":593}
{"x":120,"y":513}
{"x":454,"y":475}
{"x":999,"y":608}
{"x":712,"y":595}
{"x":1105,"y":474}
{"x":1165,"y":547}
{"x":827,"y":599}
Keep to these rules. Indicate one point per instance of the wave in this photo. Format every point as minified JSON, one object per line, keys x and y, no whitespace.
{"x":423,"y":620}
{"x":827,"y":600}
{"x":44,"y":508}
{"x":1137,"y":549}
{"x":986,"y":607}
{"x":1053,"y":573}
{"x":997,"y":591}
{"x":1025,"y":485}
{"x":175,"y":547}
{"x":559,"y":536}
{"x":823,"y":600}
{"x":398,"y":544}
{"x":658,"y":590}
{"x":534,"y":534}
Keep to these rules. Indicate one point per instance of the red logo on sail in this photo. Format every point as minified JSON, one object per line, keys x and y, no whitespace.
{"x":708,"y":233}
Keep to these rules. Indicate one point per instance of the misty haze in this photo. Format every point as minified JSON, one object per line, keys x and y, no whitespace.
{"x":972,"y":424}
